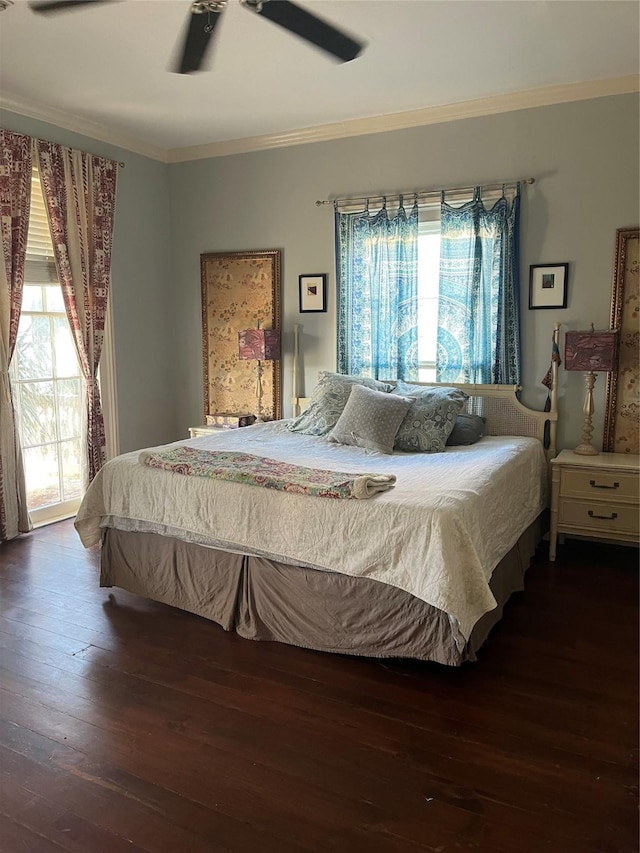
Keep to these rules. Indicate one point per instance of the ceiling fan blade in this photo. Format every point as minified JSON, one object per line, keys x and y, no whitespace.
{"x":62,"y":5}
{"x":309,"y":27}
{"x":200,"y":29}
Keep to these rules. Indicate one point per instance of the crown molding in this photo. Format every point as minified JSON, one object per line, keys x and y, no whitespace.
{"x":541,"y":97}
{"x":529,"y":99}
{"x":69,"y":121}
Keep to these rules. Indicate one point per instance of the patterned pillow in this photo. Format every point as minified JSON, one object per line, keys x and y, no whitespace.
{"x":328,"y":401}
{"x":370,"y":419}
{"x":467,"y":429}
{"x":431,"y":418}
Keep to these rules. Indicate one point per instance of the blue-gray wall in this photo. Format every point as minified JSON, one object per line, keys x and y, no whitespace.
{"x":583,"y":155}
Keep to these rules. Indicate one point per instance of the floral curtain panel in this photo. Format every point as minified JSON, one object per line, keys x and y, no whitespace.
{"x":79,"y":191}
{"x":377,"y":271}
{"x":15,"y":201}
{"x":478,"y":310}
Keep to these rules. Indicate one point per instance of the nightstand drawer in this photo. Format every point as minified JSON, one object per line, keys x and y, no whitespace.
{"x":601,"y":485}
{"x":603,"y":516}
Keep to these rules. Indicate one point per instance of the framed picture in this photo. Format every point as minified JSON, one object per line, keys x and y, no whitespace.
{"x":239,"y":289}
{"x":313,"y":293}
{"x":622,"y":424}
{"x":548,"y":285}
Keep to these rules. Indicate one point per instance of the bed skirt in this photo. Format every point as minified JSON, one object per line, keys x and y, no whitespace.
{"x":261,"y":599}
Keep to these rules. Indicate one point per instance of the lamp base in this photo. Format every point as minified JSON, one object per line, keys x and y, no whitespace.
{"x":586,"y":450}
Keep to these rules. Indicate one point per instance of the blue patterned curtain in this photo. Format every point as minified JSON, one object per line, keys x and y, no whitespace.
{"x":377,"y":272}
{"x":479,"y":298}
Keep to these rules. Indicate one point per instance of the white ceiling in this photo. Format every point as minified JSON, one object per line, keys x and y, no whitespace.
{"x":108,"y":66}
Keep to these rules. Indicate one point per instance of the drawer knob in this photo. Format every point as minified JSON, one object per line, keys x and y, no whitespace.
{"x":595,"y":485}
{"x":611,"y":517}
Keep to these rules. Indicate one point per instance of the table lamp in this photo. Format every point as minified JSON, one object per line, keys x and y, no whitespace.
{"x":591,"y":352}
{"x":259,"y":345}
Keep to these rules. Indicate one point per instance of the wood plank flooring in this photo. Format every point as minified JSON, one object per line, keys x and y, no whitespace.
{"x":126,"y":725}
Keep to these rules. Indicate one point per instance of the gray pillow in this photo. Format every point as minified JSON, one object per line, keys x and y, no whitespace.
{"x":467,"y":429}
{"x":370,"y":419}
{"x":328,"y":401}
{"x":431,"y":418}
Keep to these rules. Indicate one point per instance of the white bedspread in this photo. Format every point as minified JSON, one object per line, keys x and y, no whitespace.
{"x":438,"y":534}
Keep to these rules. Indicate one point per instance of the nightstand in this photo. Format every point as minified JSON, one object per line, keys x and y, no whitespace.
{"x":595,"y":496}
{"x":196,"y":432}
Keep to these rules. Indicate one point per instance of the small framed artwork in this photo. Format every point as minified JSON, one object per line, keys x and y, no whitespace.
{"x":313,"y":293}
{"x":548,"y":285}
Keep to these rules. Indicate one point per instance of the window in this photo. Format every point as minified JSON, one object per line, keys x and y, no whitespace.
{"x":397,"y":271}
{"x":428,"y":281}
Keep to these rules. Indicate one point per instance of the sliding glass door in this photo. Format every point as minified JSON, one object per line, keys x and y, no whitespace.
{"x":47,"y":388}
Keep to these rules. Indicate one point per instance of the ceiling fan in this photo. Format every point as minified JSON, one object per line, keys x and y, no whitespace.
{"x":205,"y":15}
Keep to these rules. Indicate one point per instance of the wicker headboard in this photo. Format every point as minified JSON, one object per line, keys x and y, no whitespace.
{"x":499,"y":404}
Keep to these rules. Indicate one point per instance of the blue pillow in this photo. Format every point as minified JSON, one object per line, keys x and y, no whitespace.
{"x":430,"y":419}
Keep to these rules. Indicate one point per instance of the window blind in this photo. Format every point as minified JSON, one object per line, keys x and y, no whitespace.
{"x":40,"y":267}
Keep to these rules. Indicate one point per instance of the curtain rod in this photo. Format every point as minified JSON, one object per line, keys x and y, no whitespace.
{"x":353,"y":200}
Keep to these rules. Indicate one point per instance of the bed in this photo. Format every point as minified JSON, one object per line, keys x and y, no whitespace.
{"x":421,"y":569}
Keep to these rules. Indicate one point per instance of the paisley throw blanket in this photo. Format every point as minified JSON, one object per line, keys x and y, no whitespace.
{"x":270,"y":473}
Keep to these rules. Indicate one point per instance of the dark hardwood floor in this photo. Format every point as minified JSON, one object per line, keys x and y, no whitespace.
{"x":126,"y":725}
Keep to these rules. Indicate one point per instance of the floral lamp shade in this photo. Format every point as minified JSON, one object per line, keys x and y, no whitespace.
{"x":259,"y":344}
{"x":590,"y":352}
